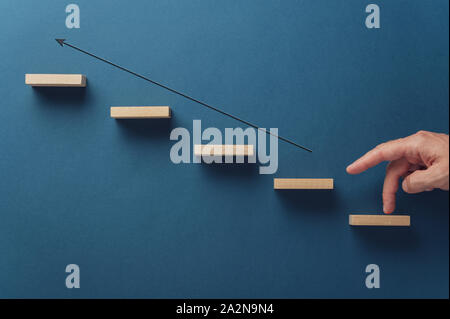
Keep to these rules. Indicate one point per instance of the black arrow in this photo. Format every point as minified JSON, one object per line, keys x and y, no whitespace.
{"x":63,"y":42}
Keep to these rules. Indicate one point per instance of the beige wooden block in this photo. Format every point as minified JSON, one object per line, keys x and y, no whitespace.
{"x":303,"y":183}
{"x":379,"y":220}
{"x":56,"y":80}
{"x":140,"y":112}
{"x":223,"y":150}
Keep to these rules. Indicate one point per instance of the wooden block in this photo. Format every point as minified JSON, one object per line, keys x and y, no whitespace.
{"x":303,"y":183}
{"x":379,"y":220}
{"x":223,"y":150}
{"x":140,"y":112}
{"x":56,"y":80}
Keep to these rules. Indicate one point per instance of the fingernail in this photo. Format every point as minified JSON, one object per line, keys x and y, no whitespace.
{"x":386,"y":211}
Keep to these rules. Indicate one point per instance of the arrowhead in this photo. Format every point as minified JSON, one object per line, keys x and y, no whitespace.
{"x":60,"y":41}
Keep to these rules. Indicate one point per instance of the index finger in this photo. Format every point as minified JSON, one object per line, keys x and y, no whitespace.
{"x":389,"y":151}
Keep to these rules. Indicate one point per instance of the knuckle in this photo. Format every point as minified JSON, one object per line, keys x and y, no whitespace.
{"x":421,"y":132}
{"x":380,"y":152}
{"x":380,"y":146}
{"x":387,"y":194}
{"x":420,"y":138}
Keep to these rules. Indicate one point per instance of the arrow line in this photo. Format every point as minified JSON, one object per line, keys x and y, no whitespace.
{"x":63,"y":42}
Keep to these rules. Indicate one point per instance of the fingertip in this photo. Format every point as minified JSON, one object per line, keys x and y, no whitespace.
{"x":405,"y":185}
{"x":350,"y":169}
{"x":388,"y":206}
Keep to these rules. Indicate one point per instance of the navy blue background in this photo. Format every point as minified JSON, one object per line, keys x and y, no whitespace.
{"x":79,"y":187}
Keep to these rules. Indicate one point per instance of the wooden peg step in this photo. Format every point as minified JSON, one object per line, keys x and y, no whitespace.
{"x":140,"y":112}
{"x":379,"y":220}
{"x":223,"y":150}
{"x":56,"y":80}
{"x":303,"y":183}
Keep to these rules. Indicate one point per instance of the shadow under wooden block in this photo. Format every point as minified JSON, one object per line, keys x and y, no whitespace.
{"x":56,"y":97}
{"x":144,"y":128}
{"x":386,"y":240}
{"x":55,"y":80}
{"x":321,"y":201}
{"x":303,"y":183}
{"x":379,"y":220}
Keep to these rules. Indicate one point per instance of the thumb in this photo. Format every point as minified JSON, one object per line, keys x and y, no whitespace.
{"x":421,"y":180}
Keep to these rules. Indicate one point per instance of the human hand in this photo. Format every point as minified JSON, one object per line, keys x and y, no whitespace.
{"x":422,"y":160}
